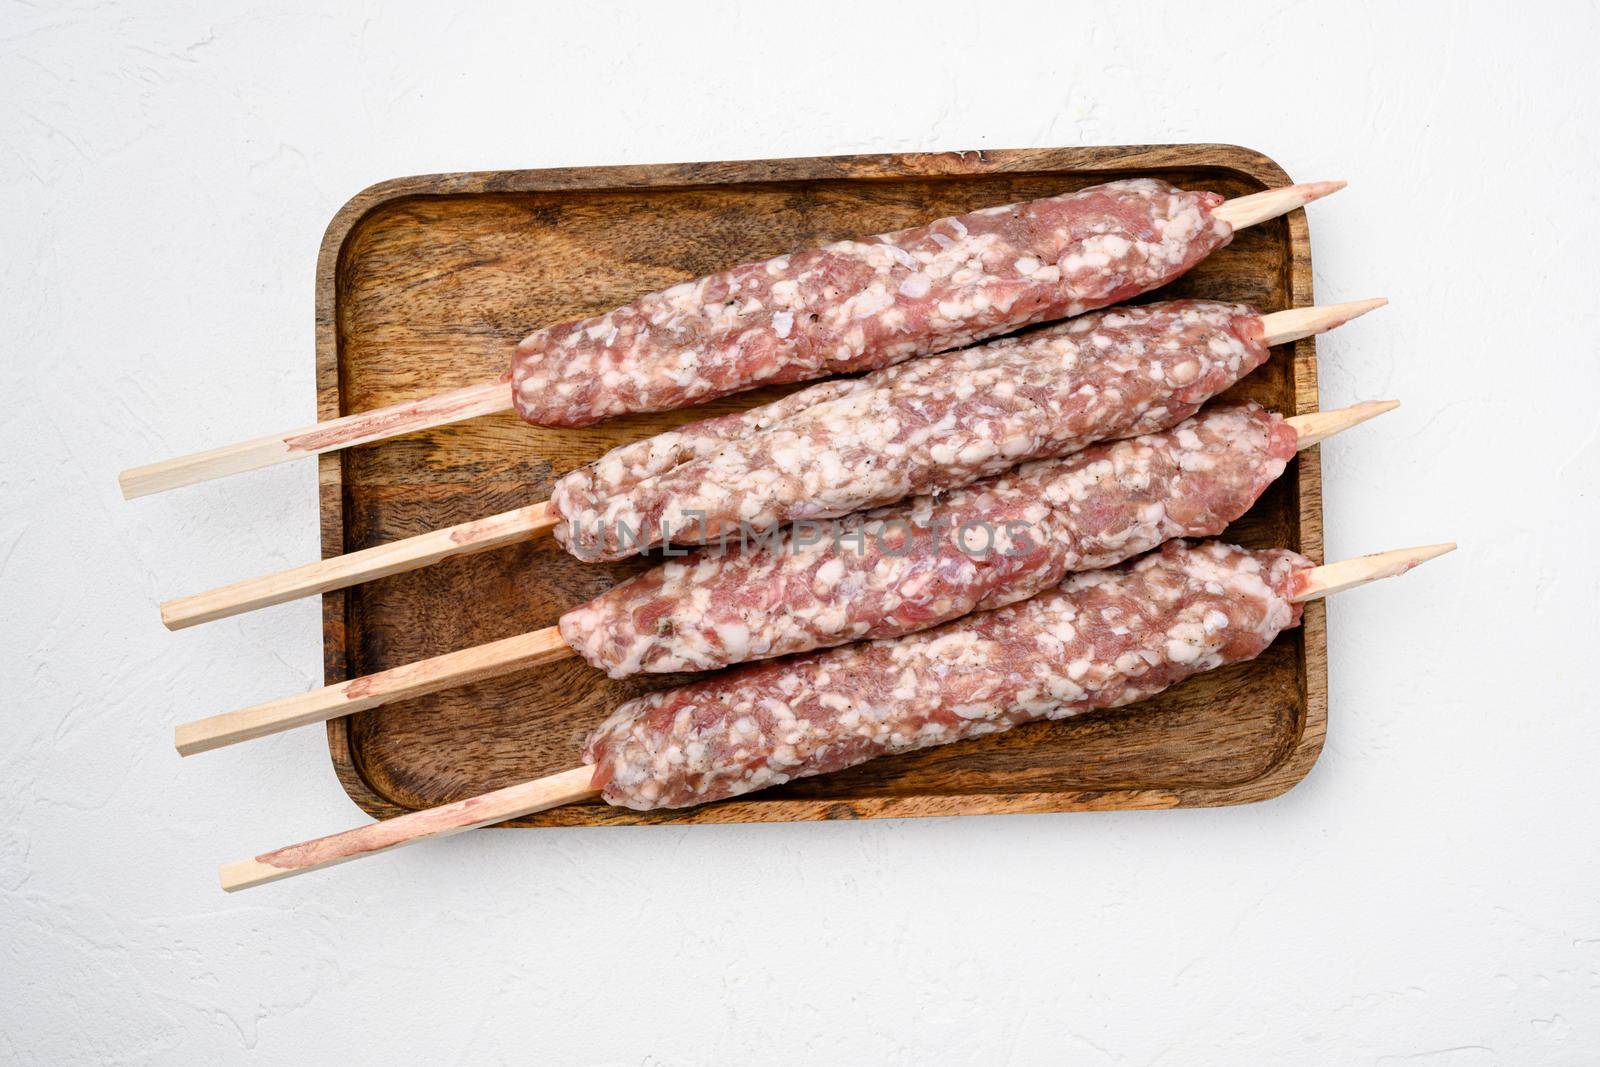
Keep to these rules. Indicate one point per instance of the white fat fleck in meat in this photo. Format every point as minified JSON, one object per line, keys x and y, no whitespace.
{"x":829,"y":573}
{"x":916,"y":286}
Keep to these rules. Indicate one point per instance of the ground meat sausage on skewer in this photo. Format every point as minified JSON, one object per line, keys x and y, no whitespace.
{"x":1104,"y":639}
{"x":933,"y":425}
{"x":924,"y":561}
{"x":851,"y":305}
{"x":644,"y":468}
{"x":863,"y":304}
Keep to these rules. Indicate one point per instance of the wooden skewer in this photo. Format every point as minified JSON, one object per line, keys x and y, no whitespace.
{"x":1317,"y":426}
{"x":507,"y":528}
{"x":574,"y":785}
{"x":516,"y":653}
{"x":358,"y":429}
{"x":489,"y":397}
{"x":512,"y":802}
{"x":1270,"y":203}
{"x":526,"y":523}
{"x":1333,"y":578}
{"x":1281,"y":327}
{"x":358,"y":694}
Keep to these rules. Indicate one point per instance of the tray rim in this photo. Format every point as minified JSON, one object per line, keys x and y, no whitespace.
{"x":1284,"y":774}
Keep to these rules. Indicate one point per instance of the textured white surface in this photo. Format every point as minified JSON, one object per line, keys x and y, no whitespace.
{"x":1429,"y":893}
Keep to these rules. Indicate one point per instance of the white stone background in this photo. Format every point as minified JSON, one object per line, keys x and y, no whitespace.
{"x":1431,"y":892}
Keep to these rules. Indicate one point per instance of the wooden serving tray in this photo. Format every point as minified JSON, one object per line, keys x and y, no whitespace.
{"x":427,"y":283}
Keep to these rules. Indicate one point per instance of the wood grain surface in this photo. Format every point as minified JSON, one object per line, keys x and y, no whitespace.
{"x":427,"y":283}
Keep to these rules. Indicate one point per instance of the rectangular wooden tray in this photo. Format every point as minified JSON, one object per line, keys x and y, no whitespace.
{"x":427,"y":283}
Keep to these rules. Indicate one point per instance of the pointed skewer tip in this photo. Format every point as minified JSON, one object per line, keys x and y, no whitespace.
{"x":1270,"y":203}
{"x":1427,"y":552}
{"x":1333,"y":578}
{"x":1291,"y":324}
{"x":1339,"y":314}
{"x":1317,"y":426}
